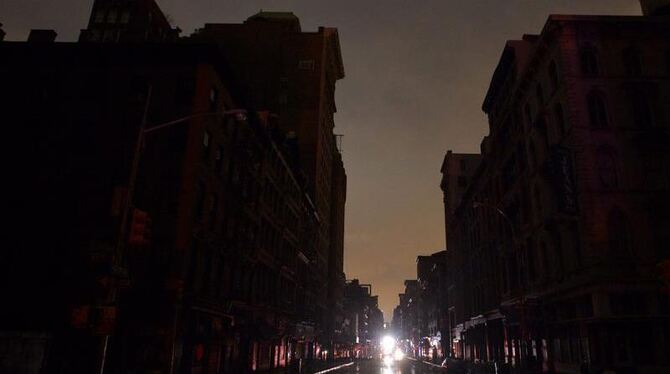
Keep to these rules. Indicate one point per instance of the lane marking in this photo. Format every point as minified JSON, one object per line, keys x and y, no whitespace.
{"x":334,"y":368}
{"x":427,"y":363}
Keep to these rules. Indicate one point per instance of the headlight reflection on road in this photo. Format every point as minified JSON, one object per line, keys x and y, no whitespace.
{"x":388,"y":361}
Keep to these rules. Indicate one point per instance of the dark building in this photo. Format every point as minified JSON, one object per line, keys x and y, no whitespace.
{"x":124,"y":21}
{"x":292,"y":73}
{"x":178,"y":231}
{"x":363,"y":320}
{"x":554,"y":244}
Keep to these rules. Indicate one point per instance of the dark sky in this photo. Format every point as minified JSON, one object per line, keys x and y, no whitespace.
{"x":416,"y":74}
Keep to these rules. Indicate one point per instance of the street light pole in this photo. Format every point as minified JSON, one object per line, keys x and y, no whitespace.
{"x":119,"y":254}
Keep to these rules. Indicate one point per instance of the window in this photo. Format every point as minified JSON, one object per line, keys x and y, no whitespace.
{"x":589,"y":61}
{"x":111,"y":16}
{"x":553,"y":76}
{"x":99,"y":16}
{"x":618,"y":232}
{"x":607,"y":168}
{"x":199,"y":203}
{"x":597,"y":110}
{"x":560,"y":119}
{"x":213,"y":98}
{"x":205,"y":144}
{"x":213,"y":207}
{"x":642,"y":108}
{"x":306,"y":65}
{"x":632,"y":62}
{"x":125,"y":17}
{"x":219,"y":158}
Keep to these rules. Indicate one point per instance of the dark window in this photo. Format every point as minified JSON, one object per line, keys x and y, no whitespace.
{"x":199,"y":200}
{"x":553,"y":75}
{"x":125,"y":17}
{"x":206,"y":140}
{"x":632,"y":62}
{"x":597,"y":110}
{"x":619,"y":235}
{"x":607,"y":168}
{"x":560,"y":119}
{"x":99,"y":16}
{"x":643,"y":109}
{"x":111,"y":16}
{"x":589,"y":61}
{"x":219,"y":158}
{"x":213,"y":207}
{"x":213,"y":99}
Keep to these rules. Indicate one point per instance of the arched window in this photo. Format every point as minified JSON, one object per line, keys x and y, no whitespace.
{"x":597,"y":110}
{"x":619,"y":235}
{"x":553,"y":75}
{"x":559,"y":115}
{"x":589,"y":61}
{"x":632,"y":61}
{"x":608,"y":175}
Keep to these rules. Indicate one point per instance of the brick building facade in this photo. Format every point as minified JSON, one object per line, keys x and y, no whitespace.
{"x":555,"y":242}
{"x":242,"y":268}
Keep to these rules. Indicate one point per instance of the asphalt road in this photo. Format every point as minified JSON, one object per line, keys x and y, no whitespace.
{"x":405,"y":366}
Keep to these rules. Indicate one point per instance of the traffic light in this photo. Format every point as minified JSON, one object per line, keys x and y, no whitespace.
{"x":140,"y":229}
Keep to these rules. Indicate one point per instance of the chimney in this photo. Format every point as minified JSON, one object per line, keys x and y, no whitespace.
{"x":655,"y":7}
{"x":2,"y":33}
{"x":42,"y":36}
